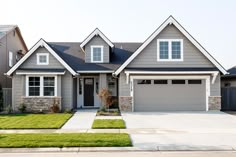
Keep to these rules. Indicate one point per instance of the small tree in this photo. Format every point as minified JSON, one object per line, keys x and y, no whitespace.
{"x":105,"y":97}
{"x":1,"y":98}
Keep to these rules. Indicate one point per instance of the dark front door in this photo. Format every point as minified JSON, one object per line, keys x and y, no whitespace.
{"x":88,"y":92}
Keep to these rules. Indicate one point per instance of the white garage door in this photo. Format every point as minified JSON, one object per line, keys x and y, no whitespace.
{"x":169,"y":95}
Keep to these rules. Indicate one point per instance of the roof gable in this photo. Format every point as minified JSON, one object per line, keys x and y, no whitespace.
{"x":95,"y":33}
{"x":167,"y":22}
{"x":6,"y":29}
{"x":40,"y":43}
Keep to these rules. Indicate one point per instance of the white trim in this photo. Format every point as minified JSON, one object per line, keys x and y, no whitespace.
{"x":170,"y":20}
{"x":55,"y":85}
{"x":94,"y":71}
{"x":10,"y":59}
{"x":94,"y":33}
{"x":170,"y":72}
{"x":170,"y":50}
{"x":96,"y":46}
{"x":27,"y":86}
{"x":40,"y":73}
{"x":42,"y":54}
{"x":214,"y":77}
{"x":207,"y":78}
{"x":40,"y":43}
{"x":41,"y":93}
{"x":212,"y":73}
{"x":208,"y":92}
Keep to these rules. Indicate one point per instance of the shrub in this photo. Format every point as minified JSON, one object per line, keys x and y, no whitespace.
{"x":102,"y":109}
{"x":9,"y":109}
{"x":22,"y":107}
{"x":68,"y":111}
{"x":54,"y":108}
{"x":106,"y":98}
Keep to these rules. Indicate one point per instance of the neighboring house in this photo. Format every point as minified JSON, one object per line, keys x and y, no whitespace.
{"x":228,"y":90}
{"x":229,"y":80}
{"x":169,"y":71}
{"x":12,"y":48}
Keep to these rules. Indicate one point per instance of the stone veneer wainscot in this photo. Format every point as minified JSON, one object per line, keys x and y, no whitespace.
{"x":38,"y":104}
{"x":214,"y":102}
{"x":125,"y":103}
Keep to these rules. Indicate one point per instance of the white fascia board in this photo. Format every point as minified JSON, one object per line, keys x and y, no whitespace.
{"x":212,"y":73}
{"x":40,"y":73}
{"x":170,"y":72}
{"x":170,"y":21}
{"x":95,"y":71}
{"x":96,"y":32}
{"x":170,"y":77}
{"x":40,"y":43}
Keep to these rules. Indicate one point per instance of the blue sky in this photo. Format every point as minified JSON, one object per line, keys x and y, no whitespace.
{"x":211,"y":22}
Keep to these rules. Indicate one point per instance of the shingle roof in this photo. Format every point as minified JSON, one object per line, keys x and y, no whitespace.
{"x":73,"y":55}
{"x":231,"y":73}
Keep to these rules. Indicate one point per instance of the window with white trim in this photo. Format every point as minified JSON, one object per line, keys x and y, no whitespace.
{"x":42,"y":58}
{"x":169,"y":49}
{"x":10,"y":59}
{"x":34,"y":86}
{"x":40,"y":86}
{"x":96,"y":53}
{"x":48,"y":86}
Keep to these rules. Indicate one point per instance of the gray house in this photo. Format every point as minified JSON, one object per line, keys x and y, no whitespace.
{"x":12,"y":48}
{"x":169,"y":71}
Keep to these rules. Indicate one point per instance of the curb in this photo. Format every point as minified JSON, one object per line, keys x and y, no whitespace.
{"x":114,"y":149}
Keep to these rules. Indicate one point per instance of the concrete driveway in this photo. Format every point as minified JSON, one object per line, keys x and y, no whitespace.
{"x":213,"y":130}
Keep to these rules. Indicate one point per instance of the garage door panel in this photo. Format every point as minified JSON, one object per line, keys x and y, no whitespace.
{"x":169,"y":97}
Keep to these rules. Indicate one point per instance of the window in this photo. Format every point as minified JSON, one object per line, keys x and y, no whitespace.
{"x":144,"y":81}
{"x":10,"y":59}
{"x":160,"y":82}
{"x":42,"y":58}
{"x":97,"y":53}
{"x":176,"y":50}
{"x":169,"y":50}
{"x":48,"y":86}
{"x":164,"y":50}
{"x":40,"y":86}
{"x":111,"y":83}
{"x":34,"y":86}
{"x":194,"y":81}
{"x":178,"y":81}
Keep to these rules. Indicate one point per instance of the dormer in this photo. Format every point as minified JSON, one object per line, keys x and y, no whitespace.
{"x":97,"y":47}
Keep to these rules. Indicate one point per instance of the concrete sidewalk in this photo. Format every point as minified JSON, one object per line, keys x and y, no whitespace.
{"x":129,"y":131}
{"x":82,"y":119}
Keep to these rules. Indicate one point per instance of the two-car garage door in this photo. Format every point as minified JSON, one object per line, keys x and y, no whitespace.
{"x":169,"y":95}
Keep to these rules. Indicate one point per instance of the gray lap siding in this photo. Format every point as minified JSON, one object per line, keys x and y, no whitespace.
{"x":192,"y":57}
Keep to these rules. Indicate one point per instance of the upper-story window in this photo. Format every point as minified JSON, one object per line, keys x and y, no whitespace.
{"x":42,"y":58}
{"x":96,"y":53}
{"x":169,"y":50}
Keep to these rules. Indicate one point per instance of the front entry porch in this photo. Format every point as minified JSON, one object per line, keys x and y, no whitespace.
{"x":88,"y":87}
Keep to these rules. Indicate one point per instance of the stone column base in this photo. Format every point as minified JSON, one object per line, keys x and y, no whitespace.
{"x":214,"y":102}
{"x":125,"y":103}
{"x":40,"y":104}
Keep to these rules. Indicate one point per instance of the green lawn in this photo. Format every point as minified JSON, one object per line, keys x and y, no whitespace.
{"x":64,"y":140}
{"x":33,"y":121}
{"x":108,"y":124}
